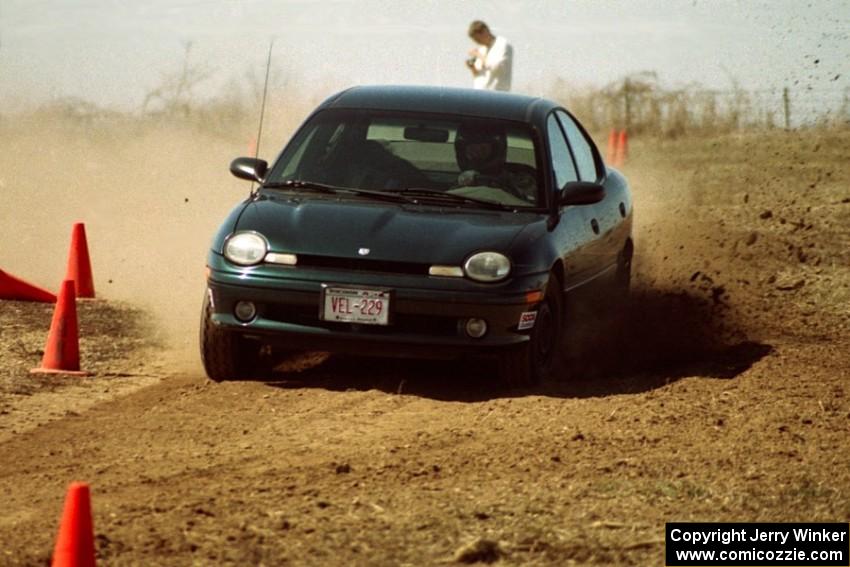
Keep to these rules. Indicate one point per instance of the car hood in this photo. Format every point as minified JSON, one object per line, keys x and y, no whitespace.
{"x":346,"y":228}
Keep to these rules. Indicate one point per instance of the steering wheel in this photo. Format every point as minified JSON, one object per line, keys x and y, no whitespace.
{"x":523,"y":181}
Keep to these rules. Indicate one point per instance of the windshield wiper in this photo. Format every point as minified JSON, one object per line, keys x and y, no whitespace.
{"x":453,"y":197}
{"x":325,"y":188}
{"x":300,"y":184}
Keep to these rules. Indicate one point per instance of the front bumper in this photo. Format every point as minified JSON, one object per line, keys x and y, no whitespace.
{"x":427,"y":313}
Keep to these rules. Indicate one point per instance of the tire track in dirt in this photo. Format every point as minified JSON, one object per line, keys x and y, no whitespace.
{"x":265,"y":471}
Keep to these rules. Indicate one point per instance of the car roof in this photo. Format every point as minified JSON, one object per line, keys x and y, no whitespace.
{"x":441,"y":100}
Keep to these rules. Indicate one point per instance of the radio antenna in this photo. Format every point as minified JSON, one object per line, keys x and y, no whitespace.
{"x":263,"y":106}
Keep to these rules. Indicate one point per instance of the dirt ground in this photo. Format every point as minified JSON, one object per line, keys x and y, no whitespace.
{"x":730,"y":400}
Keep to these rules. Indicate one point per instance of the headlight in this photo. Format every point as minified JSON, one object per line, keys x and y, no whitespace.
{"x":487,"y":267}
{"x":245,"y":248}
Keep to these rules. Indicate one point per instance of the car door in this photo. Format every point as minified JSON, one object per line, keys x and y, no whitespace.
{"x":604,"y":217}
{"x":573,"y":235}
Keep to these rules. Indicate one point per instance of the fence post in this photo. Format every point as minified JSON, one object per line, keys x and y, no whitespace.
{"x":627,"y":91}
{"x":786,"y":102}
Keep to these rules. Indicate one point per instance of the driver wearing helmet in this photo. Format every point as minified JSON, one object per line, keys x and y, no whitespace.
{"x":481,"y":152}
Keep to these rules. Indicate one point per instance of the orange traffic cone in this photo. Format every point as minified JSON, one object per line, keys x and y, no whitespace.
{"x":79,"y":264}
{"x":612,"y":146}
{"x":622,"y":149}
{"x":75,"y":542}
{"x":62,"y":353}
{"x":14,"y":288}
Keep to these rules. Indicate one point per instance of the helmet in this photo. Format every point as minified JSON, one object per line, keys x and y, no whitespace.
{"x":481,"y":147}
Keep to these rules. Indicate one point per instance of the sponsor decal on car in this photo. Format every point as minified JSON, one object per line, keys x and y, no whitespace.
{"x":526,"y":320}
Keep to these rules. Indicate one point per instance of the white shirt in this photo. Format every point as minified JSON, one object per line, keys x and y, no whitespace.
{"x":493,"y":66}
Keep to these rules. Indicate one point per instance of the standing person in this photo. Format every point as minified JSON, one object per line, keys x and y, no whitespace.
{"x":491,"y":61}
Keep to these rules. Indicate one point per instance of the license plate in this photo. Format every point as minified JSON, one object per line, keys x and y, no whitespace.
{"x":351,"y":305}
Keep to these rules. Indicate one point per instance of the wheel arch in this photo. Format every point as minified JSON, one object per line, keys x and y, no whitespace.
{"x":628,"y":250}
{"x":557,"y":271}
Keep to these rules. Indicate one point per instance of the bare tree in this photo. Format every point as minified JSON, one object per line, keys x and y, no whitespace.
{"x":175,"y":96}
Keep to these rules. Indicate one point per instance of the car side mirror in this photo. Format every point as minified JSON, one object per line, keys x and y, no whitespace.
{"x":581,"y":193}
{"x":251,"y":169}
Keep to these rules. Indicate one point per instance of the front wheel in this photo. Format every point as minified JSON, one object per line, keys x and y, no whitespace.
{"x":225,"y":355}
{"x":530,"y":363}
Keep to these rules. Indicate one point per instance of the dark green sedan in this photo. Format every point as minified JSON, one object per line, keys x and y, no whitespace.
{"x":418,"y":222}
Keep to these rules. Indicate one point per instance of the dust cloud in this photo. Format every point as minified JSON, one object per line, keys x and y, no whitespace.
{"x":150,"y":197}
{"x":151,"y":194}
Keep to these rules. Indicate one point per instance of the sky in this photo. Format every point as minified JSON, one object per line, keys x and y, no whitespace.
{"x":114,"y":52}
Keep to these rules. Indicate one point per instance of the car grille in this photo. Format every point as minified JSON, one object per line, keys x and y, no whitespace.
{"x":362,"y":265}
{"x":429,"y":325}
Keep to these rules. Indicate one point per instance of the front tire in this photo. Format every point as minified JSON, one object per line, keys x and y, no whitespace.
{"x":530,"y":363}
{"x":225,"y":355}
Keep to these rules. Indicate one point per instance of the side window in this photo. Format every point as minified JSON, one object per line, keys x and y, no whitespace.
{"x":562,"y":161}
{"x":581,"y":147}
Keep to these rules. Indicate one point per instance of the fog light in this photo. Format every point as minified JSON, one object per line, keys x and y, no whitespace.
{"x":245,"y":311}
{"x":476,"y":328}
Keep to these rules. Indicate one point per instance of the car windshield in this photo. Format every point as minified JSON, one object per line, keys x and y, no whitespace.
{"x":447,"y":159}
